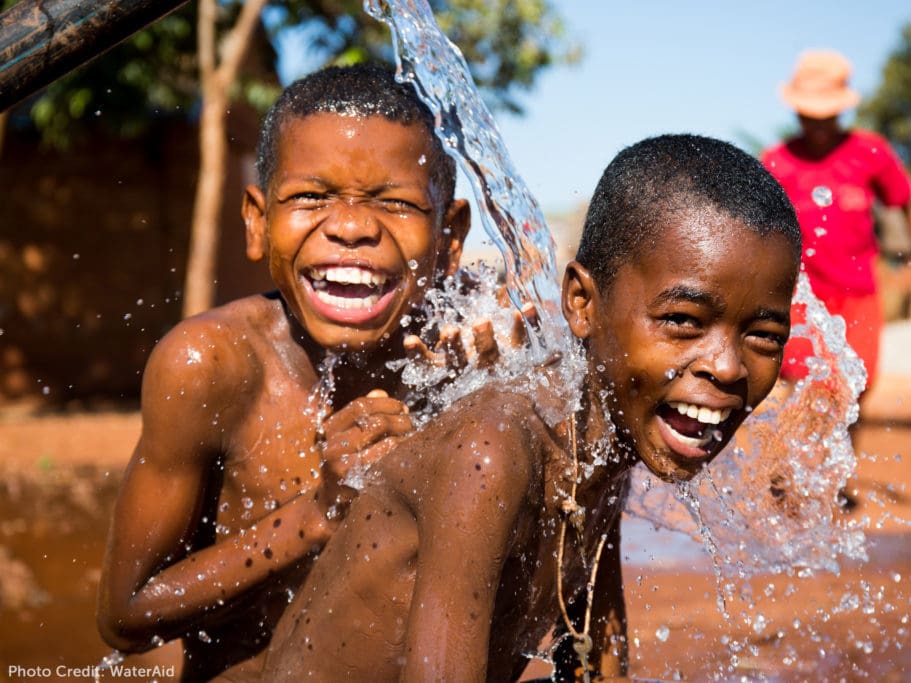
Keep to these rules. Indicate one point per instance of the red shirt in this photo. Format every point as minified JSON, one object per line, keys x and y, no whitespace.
{"x":833,"y":198}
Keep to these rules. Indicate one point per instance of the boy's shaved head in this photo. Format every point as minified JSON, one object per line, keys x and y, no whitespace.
{"x":657,"y":177}
{"x":359,"y":90}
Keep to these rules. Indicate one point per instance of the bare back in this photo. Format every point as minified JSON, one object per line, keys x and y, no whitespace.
{"x":445,"y":565}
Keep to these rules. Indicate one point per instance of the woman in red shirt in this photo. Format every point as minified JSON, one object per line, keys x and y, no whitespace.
{"x":832,"y":176}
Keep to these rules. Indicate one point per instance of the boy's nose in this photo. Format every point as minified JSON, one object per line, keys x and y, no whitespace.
{"x":352,"y":223}
{"x":722,"y":361}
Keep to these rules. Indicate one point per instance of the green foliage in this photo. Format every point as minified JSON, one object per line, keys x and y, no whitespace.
{"x":151,"y":75}
{"x":154,"y":74}
{"x":889,"y":110}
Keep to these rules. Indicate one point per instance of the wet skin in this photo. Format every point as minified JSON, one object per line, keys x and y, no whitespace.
{"x":227,"y":493}
{"x":701,"y":326}
{"x":350,"y":228}
{"x":445,"y":570}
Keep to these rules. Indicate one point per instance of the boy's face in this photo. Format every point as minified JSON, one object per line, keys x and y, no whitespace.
{"x":688,"y":339}
{"x":352,"y":227}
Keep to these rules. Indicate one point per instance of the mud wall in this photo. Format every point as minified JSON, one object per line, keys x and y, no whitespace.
{"x":93,"y":246}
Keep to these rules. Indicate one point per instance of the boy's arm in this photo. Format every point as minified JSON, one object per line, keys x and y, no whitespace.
{"x":466,"y":520}
{"x":153,"y":582}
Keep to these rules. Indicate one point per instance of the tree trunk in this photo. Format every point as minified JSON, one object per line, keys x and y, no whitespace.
{"x":4,"y":119}
{"x":199,"y":287}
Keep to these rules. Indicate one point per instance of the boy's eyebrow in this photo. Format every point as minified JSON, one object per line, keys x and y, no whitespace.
{"x":780,"y":317}
{"x":687,"y":293}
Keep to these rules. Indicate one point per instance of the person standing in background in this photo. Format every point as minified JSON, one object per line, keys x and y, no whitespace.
{"x":833,"y":176}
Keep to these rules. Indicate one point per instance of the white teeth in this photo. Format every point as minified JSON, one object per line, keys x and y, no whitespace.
{"x":346,"y":302}
{"x":348,"y":275}
{"x":702,"y":413}
{"x":693,"y":441}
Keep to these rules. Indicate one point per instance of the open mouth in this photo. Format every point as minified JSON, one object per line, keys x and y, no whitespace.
{"x":693,"y":428}
{"x":349,"y":290}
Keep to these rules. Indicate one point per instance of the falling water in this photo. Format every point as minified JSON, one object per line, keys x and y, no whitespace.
{"x":769,"y":504}
{"x":510,"y":214}
{"x":792,"y":459}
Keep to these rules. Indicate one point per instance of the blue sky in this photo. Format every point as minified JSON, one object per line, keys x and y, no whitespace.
{"x":710,"y":67}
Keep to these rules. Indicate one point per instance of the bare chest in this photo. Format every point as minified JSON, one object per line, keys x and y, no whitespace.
{"x":270,"y":455}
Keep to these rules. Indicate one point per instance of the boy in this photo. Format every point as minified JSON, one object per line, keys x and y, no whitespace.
{"x":235,"y":481}
{"x":454,"y":561}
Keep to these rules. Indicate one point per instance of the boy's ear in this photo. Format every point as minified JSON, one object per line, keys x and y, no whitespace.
{"x":253,"y":210}
{"x":579,"y":299}
{"x":457,"y":220}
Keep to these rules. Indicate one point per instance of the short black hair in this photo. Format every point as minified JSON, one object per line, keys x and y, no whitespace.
{"x":656,"y":177}
{"x":360,"y":90}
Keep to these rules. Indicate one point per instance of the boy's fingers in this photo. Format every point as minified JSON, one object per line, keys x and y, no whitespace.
{"x":519,"y":335}
{"x":375,"y":403}
{"x":378,"y":427}
{"x":416,"y":349}
{"x":373,"y":453}
{"x":485,"y":343}
{"x":452,"y":347}
{"x":357,"y":443}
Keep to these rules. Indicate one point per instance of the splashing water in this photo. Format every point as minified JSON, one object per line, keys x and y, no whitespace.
{"x":792,"y":458}
{"x":769,"y":504}
{"x":819,"y":454}
{"x":511,"y":216}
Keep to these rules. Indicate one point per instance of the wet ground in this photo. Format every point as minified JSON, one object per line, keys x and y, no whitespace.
{"x":58,"y":478}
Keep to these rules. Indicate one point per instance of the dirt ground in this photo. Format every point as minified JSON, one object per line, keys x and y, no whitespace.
{"x":58,"y":479}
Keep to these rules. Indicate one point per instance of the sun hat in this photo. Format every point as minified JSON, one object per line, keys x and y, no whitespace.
{"x":819,"y":87}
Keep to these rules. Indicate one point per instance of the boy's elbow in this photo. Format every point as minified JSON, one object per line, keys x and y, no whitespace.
{"x":117,"y":631}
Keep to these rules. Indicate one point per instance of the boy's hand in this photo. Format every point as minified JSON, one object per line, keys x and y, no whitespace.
{"x":484,"y":352}
{"x":362,"y":432}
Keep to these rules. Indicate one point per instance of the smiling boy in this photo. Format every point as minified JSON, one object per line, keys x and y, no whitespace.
{"x":236,"y":479}
{"x":445,"y":567}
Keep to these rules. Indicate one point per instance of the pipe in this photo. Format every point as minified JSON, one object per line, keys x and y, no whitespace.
{"x":41,"y":40}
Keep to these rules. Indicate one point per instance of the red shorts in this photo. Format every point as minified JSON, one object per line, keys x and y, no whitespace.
{"x":863,"y":327}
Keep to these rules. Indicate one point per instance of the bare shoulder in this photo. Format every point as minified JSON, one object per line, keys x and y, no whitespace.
{"x":488,"y":446}
{"x":219,"y":343}
{"x":209,"y":362}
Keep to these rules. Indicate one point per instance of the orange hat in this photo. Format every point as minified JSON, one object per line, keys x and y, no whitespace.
{"x":819,"y":87}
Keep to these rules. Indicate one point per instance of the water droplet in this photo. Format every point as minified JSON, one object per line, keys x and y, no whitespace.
{"x":204,"y":637}
{"x":422,"y":281}
{"x":179,"y":591}
{"x":822,"y":195}
{"x":157,"y":641}
{"x":246,"y":502}
{"x":670,"y":373}
{"x":662,"y":633}
{"x":413,"y":265}
{"x":820,"y":232}
{"x":422,"y":160}
{"x":811,"y":252}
